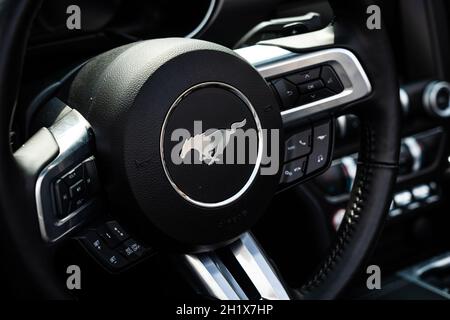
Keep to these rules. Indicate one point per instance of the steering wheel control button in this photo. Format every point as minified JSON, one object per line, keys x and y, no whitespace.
{"x":132,"y":250}
{"x":74,"y":176}
{"x":113,"y":259}
{"x":111,"y":245}
{"x":106,"y":256}
{"x":112,"y":234}
{"x":304,"y":76}
{"x":321,"y":144}
{"x":108,"y":237}
{"x":91,"y":177}
{"x":287,"y":92}
{"x":310,"y":86}
{"x":117,"y":231}
{"x":78,"y":190}
{"x":293,"y":171}
{"x":331,"y":80}
{"x":299,"y":145}
{"x":62,"y":198}
{"x":315,"y":96}
{"x":93,"y":242}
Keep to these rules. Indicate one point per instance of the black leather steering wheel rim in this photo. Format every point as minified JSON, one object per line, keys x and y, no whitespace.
{"x":380,"y":116}
{"x":377,"y":165}
{"x":26,"y":253}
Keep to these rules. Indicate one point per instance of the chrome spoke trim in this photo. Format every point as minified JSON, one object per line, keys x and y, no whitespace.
{"x":214,"y":278}
{"x":257,"y":267}
{"x":273,"y":62}
{"x":72,"y":134}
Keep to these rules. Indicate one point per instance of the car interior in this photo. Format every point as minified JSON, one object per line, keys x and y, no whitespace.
{"x":344,"y":111}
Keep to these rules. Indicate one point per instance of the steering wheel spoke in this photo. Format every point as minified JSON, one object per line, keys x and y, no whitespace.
{"x":67,"y":187}
{"x":310,"y":85}
{"x":240,"y":271}
{"x":312,"y":89}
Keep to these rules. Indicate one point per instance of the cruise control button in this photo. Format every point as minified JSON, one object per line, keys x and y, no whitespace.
{"x":331,"y":80}
{"x":315,"y":96}
{"x":293,"y":170}
{"x":304,"y":76}
{"x":132,"y":250}
{"x":110,"y":258}
{"x":109,"y":237}
{"x":113,"y":259}
{"x":117,"y":230}
{"x":74,"y":176}
{"x":310,"y":86}
{"x":287,"y":92}
{"x":298,"y":145}
{"x":321,"y":147}
{"x":93,"y":242}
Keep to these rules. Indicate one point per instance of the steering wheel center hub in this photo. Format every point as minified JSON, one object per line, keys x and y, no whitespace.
{"x":181,"y":124}
{"x":211,"y":145}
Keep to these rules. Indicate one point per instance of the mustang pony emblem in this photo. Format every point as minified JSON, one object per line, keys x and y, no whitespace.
{"x":210,"y":146}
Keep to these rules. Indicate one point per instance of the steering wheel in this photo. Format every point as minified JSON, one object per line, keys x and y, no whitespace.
{"x":110,"y":139}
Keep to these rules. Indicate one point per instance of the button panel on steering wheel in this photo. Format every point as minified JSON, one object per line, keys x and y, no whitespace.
{"x":76,"y":188}
{"x":307,"y":153}
{"x":306,"y":86}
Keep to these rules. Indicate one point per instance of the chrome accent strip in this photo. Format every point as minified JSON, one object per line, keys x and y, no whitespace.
{"x":258,"y":158}
{"x":217,"y":281}
{"x":259,"y":55}
{"x":258,"y":269}
{"x":72,"y":136}
{"x":215,"y":277}
{"x":405,"y":101}
{"x":205,"y":20}
{"x":322,"y":37}
{"x":351,"y":73}
{"x":414,"y":274}
{"x":275,"y":22}
{"x":416,"y":152}
{"x":70,"y":132}
{"x":342,"y":124}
